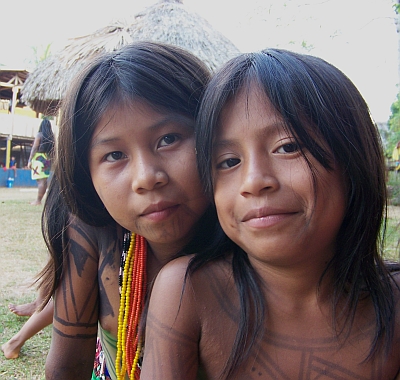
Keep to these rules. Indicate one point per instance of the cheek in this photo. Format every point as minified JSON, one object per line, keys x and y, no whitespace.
{"x":107,"y":191}
{"x":337,"y":195}
{"x":96,"y":183}
{"x":185,"y":170}
{"x":331,"y":204}
{"x":218,"y":200}
{"x":97,"y":177}
{"x":102,"y":193}
{"x":224,"y":205}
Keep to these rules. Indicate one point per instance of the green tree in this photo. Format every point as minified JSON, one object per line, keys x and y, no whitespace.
{"x":394,"y":126}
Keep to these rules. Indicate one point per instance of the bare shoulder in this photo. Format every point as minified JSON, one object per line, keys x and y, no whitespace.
{"x":95,"y":239}
{"x":81,"y":227}
{"x":178,"y":284}
{"x":170,"y":283}
{"x":175,"y":267}
{"x":78,"y":227}
{"x":171,"y":306}
{"x":178,"y":272}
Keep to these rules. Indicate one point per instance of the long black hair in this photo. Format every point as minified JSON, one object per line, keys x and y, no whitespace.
{"x":46,"y":137}
{"x":323,"y":109}
{"x":166,"y":77}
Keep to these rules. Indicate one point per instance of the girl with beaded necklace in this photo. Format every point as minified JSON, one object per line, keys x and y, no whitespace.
{"x":125,"y":180}
{"x":287,"y":148}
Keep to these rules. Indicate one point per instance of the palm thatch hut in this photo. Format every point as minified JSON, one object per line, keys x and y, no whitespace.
{"x":167,"y":21}
{"x":45,"y":86}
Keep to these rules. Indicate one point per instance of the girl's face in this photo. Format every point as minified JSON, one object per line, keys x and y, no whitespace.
{"x":143,"y":167}
{"x":264,"y":194}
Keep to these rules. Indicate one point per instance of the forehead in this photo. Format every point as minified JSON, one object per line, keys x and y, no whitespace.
{"x":248,"y":106}
{"x":131,"y":110}
{"x":128,"y":108}
{"x":136,"y":117}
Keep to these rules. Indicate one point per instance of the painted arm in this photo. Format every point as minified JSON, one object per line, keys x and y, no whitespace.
{"x":73,"y":344}
{"x":172,"y":327}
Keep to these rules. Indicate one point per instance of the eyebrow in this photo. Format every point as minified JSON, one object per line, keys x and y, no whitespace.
{"x":183,"y":121}
{"x":224,"y":144}
{"x":264,"y":132}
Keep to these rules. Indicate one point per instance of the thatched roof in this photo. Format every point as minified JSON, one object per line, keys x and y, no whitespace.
{"x":167,"y":21}
{"x":170,"y":22}
{"x":45,"y":86}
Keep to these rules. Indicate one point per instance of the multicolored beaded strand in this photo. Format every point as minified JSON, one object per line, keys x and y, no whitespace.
{"x":133,"y":344}
{"x":134,"y":282}
{"x":120,"y":361}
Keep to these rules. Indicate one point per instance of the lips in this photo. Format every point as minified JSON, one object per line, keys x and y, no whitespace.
{"x":157,"y":207}
{"x":262,"y":212}
{"x":265,"y":217}
{"x":160,"y":211}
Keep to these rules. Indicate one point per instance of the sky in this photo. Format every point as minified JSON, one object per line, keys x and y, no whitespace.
{"x":357,"y":36}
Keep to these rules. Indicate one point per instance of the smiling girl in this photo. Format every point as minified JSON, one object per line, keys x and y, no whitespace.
{"x":125,"y":167}
{"x":288,"y":149}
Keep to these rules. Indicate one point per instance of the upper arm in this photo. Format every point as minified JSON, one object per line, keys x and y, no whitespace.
{"x":172,"y":326}
{"x":76,"y":304}
{"x":36,"y":144}
{"x":76,"y":298}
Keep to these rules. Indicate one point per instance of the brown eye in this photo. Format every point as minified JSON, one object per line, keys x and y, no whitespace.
{"x":114,"y":156}
{"x":288,"y":148}
{"x":168,"y":140}
{"x":229,"y":163}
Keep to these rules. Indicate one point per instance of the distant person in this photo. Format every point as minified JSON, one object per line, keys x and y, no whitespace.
{"x":40,"y":158}
{"x":12,"y":166}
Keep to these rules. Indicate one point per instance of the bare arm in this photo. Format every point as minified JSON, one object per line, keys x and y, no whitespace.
{"x":34,"y":149}
{"x":172,"y":327}
{"x":76,"y":313}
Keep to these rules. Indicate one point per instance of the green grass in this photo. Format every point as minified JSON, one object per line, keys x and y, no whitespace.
{"x":30,"y":364}
{"x":22,"y":255}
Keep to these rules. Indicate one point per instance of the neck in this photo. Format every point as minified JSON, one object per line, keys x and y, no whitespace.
{"x":295,"y":288}
{"x":158,"y":255}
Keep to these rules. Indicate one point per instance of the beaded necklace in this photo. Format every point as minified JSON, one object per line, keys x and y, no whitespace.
{"x":133,"y":290}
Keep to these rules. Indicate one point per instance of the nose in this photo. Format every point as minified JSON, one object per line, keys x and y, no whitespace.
{"x":147,"y":174}
{"x":258,"y":177}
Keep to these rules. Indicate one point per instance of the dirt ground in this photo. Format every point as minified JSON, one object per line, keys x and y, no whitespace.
{"x":18,"y":193}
